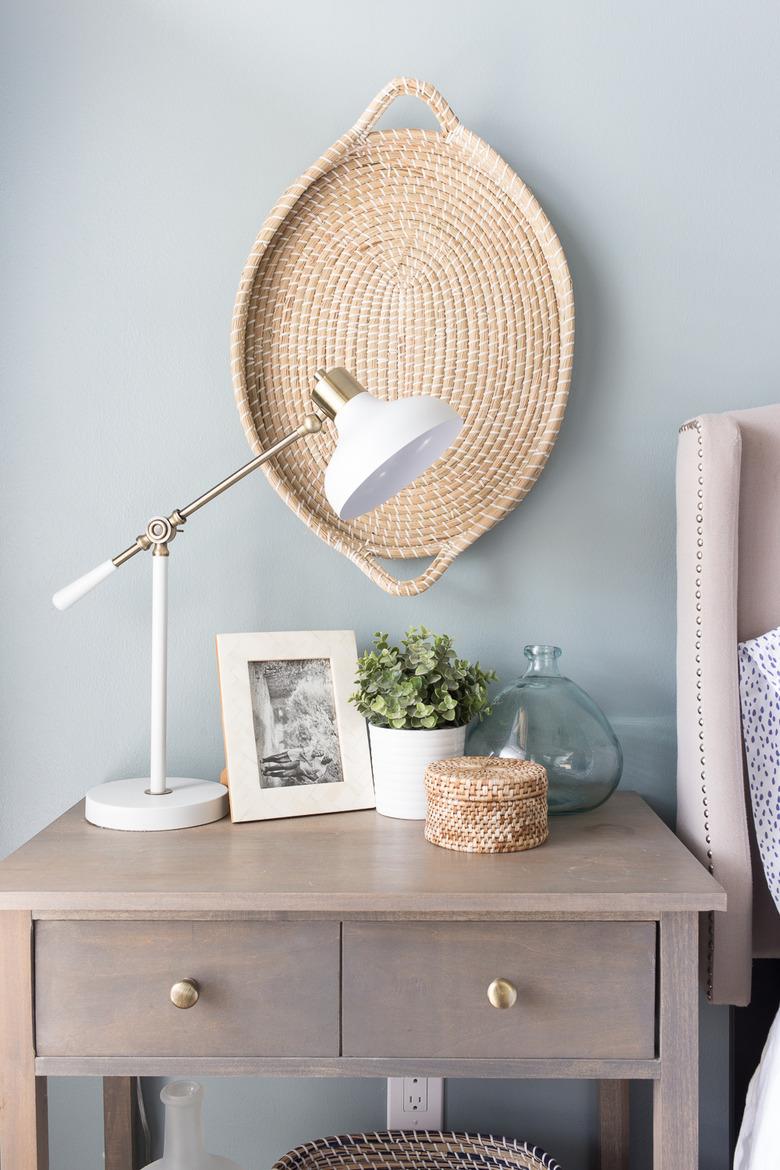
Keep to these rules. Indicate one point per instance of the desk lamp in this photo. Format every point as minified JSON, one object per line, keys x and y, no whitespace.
{"x":381,"y":447}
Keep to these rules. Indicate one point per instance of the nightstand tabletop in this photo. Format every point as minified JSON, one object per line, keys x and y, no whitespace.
{"x":619,"y":859}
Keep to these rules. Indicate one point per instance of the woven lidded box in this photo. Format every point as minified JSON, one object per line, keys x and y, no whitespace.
{"x":484,"y":804}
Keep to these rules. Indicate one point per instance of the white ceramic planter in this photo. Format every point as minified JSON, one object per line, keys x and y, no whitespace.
{"x":399,"y":760}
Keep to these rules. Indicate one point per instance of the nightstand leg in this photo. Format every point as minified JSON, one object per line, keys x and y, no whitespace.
{"x":121,"y":1146}
{"x":24,"y":1137}
{"x":613,"y":1124}
{"x":676,"y":1093}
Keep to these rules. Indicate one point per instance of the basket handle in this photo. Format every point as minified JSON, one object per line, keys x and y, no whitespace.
{"x":400,"y":86}
{"x":413,"y":585}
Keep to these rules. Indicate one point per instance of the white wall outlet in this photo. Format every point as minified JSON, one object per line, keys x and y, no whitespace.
{"x":415,"y":1102}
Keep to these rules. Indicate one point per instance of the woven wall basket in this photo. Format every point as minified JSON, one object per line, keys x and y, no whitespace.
{"x":418,"y":260}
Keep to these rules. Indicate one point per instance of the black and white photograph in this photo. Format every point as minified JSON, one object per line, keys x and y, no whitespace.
{"x":294,"y":715}
{"x":294,"y":744}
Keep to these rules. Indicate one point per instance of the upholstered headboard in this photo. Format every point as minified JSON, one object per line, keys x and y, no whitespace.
{"x":728,"y":590}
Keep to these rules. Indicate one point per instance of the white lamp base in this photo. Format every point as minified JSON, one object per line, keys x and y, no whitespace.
{"x":125,"y":804}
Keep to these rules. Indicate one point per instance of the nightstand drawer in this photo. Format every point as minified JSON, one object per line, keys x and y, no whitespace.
{"x":583,"y":989}
{"x":263,"y":988}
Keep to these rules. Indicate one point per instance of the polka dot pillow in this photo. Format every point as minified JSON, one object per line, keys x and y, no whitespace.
{"x":759,"y":684}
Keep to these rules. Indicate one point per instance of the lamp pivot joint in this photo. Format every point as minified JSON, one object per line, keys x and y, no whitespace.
{"x":333,"y":389}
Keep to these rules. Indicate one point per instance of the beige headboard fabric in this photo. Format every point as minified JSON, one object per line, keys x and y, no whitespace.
{"x":728,"y":590}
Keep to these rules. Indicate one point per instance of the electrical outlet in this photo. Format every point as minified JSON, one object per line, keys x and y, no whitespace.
{"x":415,"y":1103}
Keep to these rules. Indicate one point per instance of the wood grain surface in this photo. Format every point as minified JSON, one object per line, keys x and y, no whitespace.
{"x":334,"y":1066}
{"x":676,"y":1092}
{"x":266,"y":989}
{"x":584,"y":989}
{"x":614,"y":1125}
{"x":24,"y":1137}
{"x":121,"y":1138}
{"x":620,"y":857}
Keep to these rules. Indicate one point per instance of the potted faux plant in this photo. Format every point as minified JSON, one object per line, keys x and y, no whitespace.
{"x":418,"y":699}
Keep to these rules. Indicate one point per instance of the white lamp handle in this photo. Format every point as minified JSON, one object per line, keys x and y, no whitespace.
{"x":66,"y":597}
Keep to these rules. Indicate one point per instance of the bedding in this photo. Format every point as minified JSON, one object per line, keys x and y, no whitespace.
{"x":758,"y":1146}
{"x":759,"y":684}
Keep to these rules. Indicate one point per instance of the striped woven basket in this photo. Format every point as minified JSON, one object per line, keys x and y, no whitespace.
{"x":416,"y":1150}
{"x":418,"y":260}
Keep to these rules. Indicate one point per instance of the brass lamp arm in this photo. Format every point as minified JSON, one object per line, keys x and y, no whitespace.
{"x":332,"y":390}
{"x":161,"y":530}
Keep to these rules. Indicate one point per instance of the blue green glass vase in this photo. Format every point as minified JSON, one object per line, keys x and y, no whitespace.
{"x":547,"y":718}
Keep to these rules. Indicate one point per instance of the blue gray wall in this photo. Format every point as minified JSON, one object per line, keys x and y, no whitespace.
{"x":144,"y":142}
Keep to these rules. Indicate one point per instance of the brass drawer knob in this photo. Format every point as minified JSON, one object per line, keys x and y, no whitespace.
{"x":185,"y":993}
{"x":502,"y":993}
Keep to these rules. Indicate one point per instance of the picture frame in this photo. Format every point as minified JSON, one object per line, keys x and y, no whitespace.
{"x":294,"y":744}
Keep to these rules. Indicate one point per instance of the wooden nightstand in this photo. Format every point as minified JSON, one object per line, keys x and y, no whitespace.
{"x":347,"y":945}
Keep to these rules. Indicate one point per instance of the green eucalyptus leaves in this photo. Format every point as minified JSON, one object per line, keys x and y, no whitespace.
{"x":420,"y":684}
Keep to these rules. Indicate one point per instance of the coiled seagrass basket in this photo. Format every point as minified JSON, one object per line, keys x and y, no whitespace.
{"x":416,"y":1150}
{"x":419,"y":261}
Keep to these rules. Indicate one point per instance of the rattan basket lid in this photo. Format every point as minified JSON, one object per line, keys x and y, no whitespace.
{"x":420,"y":261}
{"x":485,"y":778}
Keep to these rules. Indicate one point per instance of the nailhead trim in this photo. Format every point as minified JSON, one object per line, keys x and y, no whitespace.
{"x":695,"y":425}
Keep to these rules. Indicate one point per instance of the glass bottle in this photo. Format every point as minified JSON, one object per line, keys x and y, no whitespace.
{"x":183,"y":1148}
{"x":547,"y":718}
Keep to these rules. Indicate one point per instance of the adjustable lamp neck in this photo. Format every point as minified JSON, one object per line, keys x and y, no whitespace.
{"x":161,"y":530}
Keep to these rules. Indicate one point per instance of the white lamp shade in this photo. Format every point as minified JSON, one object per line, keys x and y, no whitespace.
{"x":383,"y":446}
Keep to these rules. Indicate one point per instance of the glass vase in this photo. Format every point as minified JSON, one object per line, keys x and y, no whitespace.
{"x":184,"y":1148}
{"x":547,"y":718}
